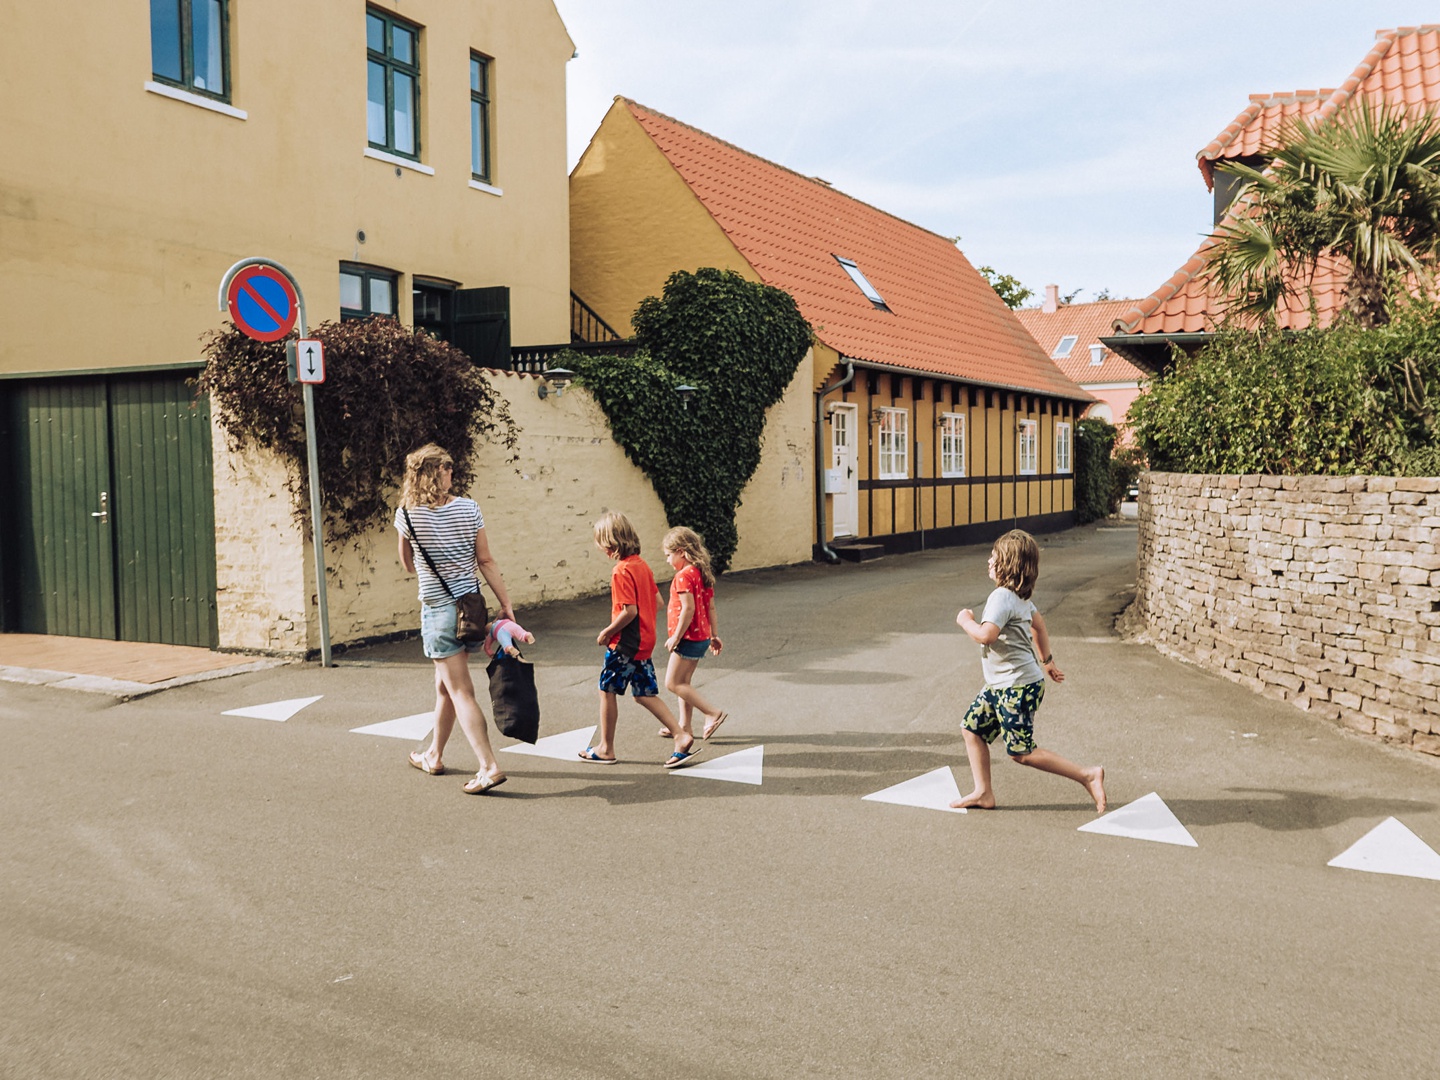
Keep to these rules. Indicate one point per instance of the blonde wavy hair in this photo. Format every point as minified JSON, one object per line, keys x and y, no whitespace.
{"x":1017,"y":562}
{"x":690,"y":544}
{"x":421,"y":486}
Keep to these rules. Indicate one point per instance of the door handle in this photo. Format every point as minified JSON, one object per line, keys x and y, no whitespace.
{"x":104,"y":512}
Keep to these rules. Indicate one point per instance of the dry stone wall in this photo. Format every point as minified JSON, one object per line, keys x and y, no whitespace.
{"x":1317,"y":590}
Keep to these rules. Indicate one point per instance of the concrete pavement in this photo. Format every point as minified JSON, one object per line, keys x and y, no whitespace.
{"x":188,"y":894}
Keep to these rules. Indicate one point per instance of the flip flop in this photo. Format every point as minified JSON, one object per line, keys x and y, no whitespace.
{"x":589,"y":754}
{"x":417,"y":759}
{"x":712,"y":726}
{"x":679,"y":759}
{"x":481,"y":784}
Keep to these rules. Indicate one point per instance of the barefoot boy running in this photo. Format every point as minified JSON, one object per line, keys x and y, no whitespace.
{"x":1015,"y":666}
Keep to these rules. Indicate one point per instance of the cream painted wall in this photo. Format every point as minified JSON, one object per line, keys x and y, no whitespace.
{"x":634,"y":222}
{"x":120,"y":209}
{"x":538,"y":511}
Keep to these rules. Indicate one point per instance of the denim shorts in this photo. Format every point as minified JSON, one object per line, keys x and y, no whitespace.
{"x":437,"y":632}
{"x":693,"y":650}
{"x":621,"y":671}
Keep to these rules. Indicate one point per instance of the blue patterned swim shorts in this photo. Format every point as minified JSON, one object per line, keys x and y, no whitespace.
{"x":621,"y":671}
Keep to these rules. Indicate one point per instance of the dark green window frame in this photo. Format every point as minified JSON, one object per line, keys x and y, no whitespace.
{"x":172,"y":45}
{"x":368,"y":277}
{"x":480,"y":157}
{"x":387,"y":40}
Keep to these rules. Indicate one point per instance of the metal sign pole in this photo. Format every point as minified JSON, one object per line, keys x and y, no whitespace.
{"x":317,"y":529}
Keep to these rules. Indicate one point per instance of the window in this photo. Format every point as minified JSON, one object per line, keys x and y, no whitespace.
{"x":1063,"y":349}
{"x":392,"y":87}
{"x":1028,"y":453}
{"x":871,"y":293}
{"x":432,"y":306}
{"x":894,"y":444}
{"x":1062,"y":448}
{"x":189,"y":45}
{"x":480,"y":117}
{"x":365,"y":291}
{"x":952,"y":444}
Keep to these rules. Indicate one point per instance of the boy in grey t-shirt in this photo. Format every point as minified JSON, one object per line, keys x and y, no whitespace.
{"x":1015,"y":658}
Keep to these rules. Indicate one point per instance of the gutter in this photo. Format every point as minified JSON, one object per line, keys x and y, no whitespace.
{"x":824,"y":549}
{"x":900,"y":369}
{"x":1139,"y":348}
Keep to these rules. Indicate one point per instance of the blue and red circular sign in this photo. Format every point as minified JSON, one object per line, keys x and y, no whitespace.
{"x":263,"y":303}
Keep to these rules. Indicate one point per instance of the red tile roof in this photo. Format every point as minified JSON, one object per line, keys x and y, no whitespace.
{"x":1088,"y":323}
{"x":1402,"y":68}
{"x":943,"y":317}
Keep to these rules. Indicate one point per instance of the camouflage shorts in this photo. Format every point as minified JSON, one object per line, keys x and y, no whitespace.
{"x":1008,"y":711}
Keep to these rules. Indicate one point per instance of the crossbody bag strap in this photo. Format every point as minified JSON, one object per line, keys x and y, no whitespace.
{"x":415,"y":539}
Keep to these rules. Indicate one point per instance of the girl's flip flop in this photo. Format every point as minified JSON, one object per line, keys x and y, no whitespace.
{"x":712,"y":726}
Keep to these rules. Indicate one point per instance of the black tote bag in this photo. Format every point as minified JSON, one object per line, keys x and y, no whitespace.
{"x":513,"y":698}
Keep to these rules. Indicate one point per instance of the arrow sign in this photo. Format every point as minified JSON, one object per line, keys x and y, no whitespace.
{"x":310,"y":360}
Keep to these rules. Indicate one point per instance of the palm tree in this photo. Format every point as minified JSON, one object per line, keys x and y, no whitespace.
{"x":1360,"y":192}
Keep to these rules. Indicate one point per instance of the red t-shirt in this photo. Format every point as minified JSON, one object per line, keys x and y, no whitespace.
{"x":631,"y":582}
{"x":689,"y":580}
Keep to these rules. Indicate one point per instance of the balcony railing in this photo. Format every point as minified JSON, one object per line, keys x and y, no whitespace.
{"x":534,"y":359}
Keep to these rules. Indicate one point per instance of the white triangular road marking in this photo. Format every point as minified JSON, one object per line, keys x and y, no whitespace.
{"x":566,"y":746}
{"x":936,"y":790}
{"x":741,"y":767}
{"x":275,"y":710}
{"x":1144,"y":819}
{"x":1390,"y":848}
{"x":412,"y":728}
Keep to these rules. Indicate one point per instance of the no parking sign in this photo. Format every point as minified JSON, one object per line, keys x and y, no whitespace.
{"x":262,"y":302}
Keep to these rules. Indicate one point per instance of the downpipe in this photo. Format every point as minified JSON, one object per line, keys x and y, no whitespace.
{"x":822,"y":549}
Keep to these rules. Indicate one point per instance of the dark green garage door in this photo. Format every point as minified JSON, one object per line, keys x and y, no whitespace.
{"x":107,"y":485}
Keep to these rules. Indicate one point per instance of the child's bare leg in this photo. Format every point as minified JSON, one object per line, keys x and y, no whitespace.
{"x":978,"y":751}
{"x":605,"y":733}
{"x":1091,"y":777}
{"x":677,"y":681}
{"x":684,"y":740}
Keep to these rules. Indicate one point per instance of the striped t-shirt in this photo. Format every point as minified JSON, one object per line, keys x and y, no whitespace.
{"x":448,"y":534}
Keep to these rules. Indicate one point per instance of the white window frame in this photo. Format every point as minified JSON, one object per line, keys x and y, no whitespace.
{"x":1028,"y":448}
{"x":1065,"y":346}
{"x":893,"y":443}
{"x":1064,"y":449}
{"x":952,"y":444}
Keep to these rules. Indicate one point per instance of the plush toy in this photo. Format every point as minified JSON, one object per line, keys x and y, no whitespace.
{"x":502,"y":635}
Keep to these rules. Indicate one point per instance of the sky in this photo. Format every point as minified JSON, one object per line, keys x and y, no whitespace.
{"x":1057,"y":140}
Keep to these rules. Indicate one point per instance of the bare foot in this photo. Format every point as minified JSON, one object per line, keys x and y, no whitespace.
{"x":1095,"y":784}
{"x":980,"y":800}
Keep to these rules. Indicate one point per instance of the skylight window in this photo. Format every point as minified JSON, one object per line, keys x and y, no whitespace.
{"x":871,"y":293}
{"x":1063,"y":349}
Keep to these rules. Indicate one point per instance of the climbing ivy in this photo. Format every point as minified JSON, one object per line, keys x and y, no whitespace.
{"x":388,"y":390}
{"x":739,"y":343}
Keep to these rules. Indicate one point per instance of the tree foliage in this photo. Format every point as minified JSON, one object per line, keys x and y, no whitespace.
{"x":1094,"y":482}
{"x":1362,"y":188}
{"x":1346,"y":400}
{"x":739,"y":343}
{"x":1006,"y":287}
{"x":387,"y":391}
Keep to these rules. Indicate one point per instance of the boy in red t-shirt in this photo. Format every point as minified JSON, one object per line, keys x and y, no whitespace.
{"x":629,"y":640}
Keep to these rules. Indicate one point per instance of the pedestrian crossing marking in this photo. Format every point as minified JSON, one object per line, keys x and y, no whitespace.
{"x":1144,"y":819}
{"x":1390,"y":848}
{"x":741,"y":767}
{"x":564,"y":747}
{"x":935,"y":790}
{"x":275,"y":710}
{"x":411,"y":728}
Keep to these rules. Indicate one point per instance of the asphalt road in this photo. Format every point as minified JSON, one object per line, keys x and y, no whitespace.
{"x":186,"y":894}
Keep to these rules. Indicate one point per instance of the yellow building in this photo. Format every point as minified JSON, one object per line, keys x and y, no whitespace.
{"x":400,"y":159}
{"x":937,"y":419}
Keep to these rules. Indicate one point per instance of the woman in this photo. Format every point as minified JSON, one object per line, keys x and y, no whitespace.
{"x":452,"y":532}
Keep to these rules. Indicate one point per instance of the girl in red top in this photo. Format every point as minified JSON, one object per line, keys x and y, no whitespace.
{"x":690,"y":619}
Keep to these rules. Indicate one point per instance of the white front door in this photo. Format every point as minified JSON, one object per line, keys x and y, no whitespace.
{"x":845,"y":504}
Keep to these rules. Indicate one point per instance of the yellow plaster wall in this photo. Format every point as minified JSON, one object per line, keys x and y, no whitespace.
{"x":120,"y":209}
{"x":634,"y":222}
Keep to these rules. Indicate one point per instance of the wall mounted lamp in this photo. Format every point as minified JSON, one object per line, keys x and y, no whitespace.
{"x":686,"y":392}
{"x":559,"y":378}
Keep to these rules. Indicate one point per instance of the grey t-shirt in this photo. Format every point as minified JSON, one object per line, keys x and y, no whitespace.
{"x":1011,"y":660}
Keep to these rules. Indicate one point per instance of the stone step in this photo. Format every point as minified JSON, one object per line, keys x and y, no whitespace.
{"x":856,"y":551}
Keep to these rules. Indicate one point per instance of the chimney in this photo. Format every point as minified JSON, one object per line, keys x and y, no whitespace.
{"x":1052,"y":299}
